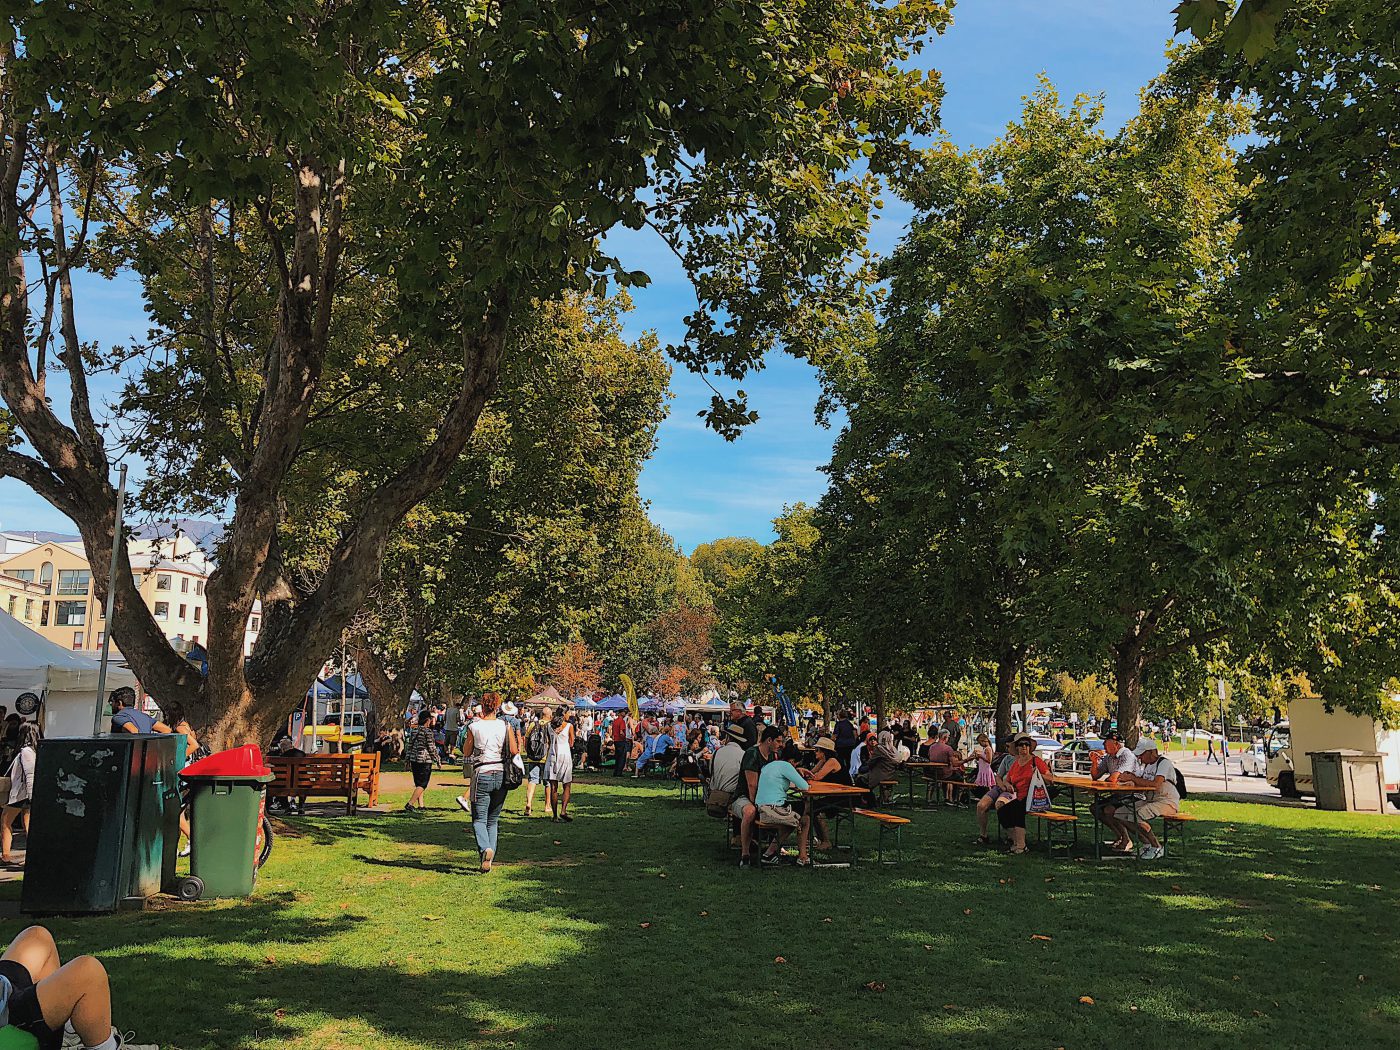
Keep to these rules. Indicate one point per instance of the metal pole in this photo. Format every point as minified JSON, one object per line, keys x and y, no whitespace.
{"x":1224,"y":732}
{"x":117,"y":541}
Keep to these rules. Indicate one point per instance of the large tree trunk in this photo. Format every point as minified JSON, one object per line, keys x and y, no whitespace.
{"x":1128,"y":666}
{"x":1008,"y":666}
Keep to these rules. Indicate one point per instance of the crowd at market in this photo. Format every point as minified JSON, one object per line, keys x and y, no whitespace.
{"x":754,"y":772}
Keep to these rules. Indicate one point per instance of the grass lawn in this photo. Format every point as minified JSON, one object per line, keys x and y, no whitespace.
{"x":631,"y":927}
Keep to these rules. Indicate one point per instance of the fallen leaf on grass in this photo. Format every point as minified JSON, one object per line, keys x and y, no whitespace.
{"x":1132,"y":1009}
{"x":704,"y":915}
{"x":967,"y":911}
{"x":1087,"y":1000}
{"x":779,"y":959}
{"x":557,"y":842}
{"x":271,"y":960}
{"x":279,"y":1014}
{"x":433,"y":918}
{"x":875,"y":986}
{"x":662,"y":875}
{"x":928,"y":947}
{"x":644,"y":925}
{"x":1040,"y":937}
{"x":949,"y":1006}
{"x":1257,"y":1013}
{"x":1049,"y":878}
{"x":1267,"y":937}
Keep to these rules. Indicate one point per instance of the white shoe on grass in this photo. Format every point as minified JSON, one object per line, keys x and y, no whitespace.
{"x":1151,"y":853}
{"x":465,"y":803}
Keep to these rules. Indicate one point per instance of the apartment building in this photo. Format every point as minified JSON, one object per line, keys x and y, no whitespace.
{"x":46,"y":584}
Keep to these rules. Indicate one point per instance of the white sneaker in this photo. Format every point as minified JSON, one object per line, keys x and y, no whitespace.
{"x":465,"y":803}
{"x":1151,"y":853}
{"x":124,"y":1042}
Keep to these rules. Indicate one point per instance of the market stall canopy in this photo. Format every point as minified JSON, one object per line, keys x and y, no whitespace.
{"x":65,"y":680}
{"x":711,"y":706}
{"x":546,"y":697}
{"x":585,"y":703}
{"x":354,"y":688}
{"x":612,"y":703}
{"x":651,"y":705}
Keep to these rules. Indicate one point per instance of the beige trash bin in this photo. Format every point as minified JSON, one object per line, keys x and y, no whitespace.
{"x":1349,"y":780}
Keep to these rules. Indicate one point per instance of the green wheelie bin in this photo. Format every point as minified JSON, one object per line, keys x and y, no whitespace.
{"x":228,"y":830}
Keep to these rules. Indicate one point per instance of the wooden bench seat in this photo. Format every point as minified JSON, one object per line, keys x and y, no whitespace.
{"x":690,"y":788}
{"x":888,"y":823}
{"x":1178,"y":821}
{"x":325,"y":776}
{"x":1050,"y":819}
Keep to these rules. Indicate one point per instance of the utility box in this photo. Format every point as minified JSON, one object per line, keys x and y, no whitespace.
{"x":1349,"y":780}
{"x":105,"y":819}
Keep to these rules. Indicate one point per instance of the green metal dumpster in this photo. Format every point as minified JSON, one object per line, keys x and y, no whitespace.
{"x":227,"y":799}
{"x":105,"y":823}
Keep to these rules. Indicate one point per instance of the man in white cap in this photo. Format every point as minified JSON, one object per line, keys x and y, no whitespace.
{"x":1157,"y":774}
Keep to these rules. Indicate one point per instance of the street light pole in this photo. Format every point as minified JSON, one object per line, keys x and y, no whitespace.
{"x":117,"y":541}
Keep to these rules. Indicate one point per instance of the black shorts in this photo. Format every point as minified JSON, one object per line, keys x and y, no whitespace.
{"x":1013,"y":814}
{"x":24,"y":1007}
{"x":422,"y":773}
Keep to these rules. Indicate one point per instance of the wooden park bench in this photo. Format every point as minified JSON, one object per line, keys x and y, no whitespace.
{"x":1178,"y":821}
{"x":888,"y":823}
{"x":325,"y":776}
{"x":1049,"y":820}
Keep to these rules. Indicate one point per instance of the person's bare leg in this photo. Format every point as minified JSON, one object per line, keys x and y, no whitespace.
{"x":1148,"y":834}
{"x":746,"y":831}
{"x":7,"y":836}
{"x":35,"y":950}
{"x":984,"y":807}
{"x":824,"y":841}
{"x":552,"y":793}
{"x":803,"y":831}
{"x":568,"y":793}
{"x":78,"y":992}
{"x":1018,"y":839}
{"x":529,"y":797}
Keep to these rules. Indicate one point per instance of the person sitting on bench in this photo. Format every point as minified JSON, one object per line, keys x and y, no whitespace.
{"x":655,"y":750}
{"x":50,"y":1000}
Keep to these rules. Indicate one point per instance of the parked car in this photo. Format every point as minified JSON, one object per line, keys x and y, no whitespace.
{"x":1254,"y":762}
{"x":1077,"y":756}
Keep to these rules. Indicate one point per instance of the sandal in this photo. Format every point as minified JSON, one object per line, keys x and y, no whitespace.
{"x":982,"y":840}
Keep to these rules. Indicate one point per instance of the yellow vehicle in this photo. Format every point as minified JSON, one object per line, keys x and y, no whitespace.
{"x":1311,"y":727}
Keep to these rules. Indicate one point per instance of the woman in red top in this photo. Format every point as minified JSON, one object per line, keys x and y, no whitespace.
{"x":1015,"y":784}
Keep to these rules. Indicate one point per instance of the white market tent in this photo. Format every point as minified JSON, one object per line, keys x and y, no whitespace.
{"x":65,"y":681}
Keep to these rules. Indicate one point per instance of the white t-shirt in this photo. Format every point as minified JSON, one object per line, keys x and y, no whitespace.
{"x":1167,"y":791}
{"x":488,"y":743}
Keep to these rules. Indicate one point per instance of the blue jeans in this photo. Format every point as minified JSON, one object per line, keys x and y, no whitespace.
{"x":487,"y":803}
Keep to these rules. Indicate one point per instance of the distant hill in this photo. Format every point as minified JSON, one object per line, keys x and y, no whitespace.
{"x":206,"y":534}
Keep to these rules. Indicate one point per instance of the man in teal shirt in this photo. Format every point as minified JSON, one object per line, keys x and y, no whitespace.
{"x":774,"y":781}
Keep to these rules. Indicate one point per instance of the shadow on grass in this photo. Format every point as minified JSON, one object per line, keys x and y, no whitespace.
{"x":589,"y":928}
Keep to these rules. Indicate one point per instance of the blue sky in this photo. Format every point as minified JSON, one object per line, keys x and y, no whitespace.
{"x":700,"y":486}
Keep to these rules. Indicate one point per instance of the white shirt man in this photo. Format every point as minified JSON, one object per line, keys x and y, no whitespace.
{"x":1158,"y":775}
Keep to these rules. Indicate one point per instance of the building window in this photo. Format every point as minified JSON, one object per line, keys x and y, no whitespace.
{"x":77,"y":639}
{"x":74,"y":581}
{"x":11,"y":607}
{"x":29,"y":609}
{"x":70,"y":614}
{"x":162,"y":610}
{"x":184,"y":585}
{"x":44,"y":615}
{"x":254,"y":624}
{"x":197,"y":610}
{"x":101,"y":637}
{"x":162,"y":581}
{"x":194,"y":640}
{"x":182,"y":610}
{"x":198,"y":586}
{"x":46,"y":573}
{"x":27,"y":575}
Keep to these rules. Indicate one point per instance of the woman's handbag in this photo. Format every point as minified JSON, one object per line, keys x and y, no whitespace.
{"x":513,"y":768}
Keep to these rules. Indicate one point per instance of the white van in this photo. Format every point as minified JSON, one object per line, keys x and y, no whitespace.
{"x":1310,"y":727}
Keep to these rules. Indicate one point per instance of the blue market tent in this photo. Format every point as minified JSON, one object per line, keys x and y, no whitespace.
{"x":651,"y":705}
{"x":585,"y":703}
{"x":612,"y":703}
{"x":329,"y":689}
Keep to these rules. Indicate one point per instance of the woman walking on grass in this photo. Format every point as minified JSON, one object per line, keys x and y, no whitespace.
{"x":21,"y":789}
{"x":422,"y":756}
{"x":491,"y":743}
{"x":559,"y":770}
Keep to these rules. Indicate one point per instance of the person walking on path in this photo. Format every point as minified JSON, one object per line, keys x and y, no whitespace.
{"x":1211,"y":756}
{"x":559,"y":770}
{"x":21,"y":789}
{"x":422,"y":751}
{"x":492,"y":744}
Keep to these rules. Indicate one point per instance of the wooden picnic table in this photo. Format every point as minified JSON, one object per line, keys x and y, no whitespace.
{"x":918,"y":765}
{"x":825,"y":789}
{"x":1079,"y":782}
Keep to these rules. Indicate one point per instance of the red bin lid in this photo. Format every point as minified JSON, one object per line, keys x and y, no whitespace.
{"x":245,"y":761}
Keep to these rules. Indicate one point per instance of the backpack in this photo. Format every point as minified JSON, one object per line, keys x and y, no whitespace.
{"x":537,"y":743}
{"x":1180,"y":784}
